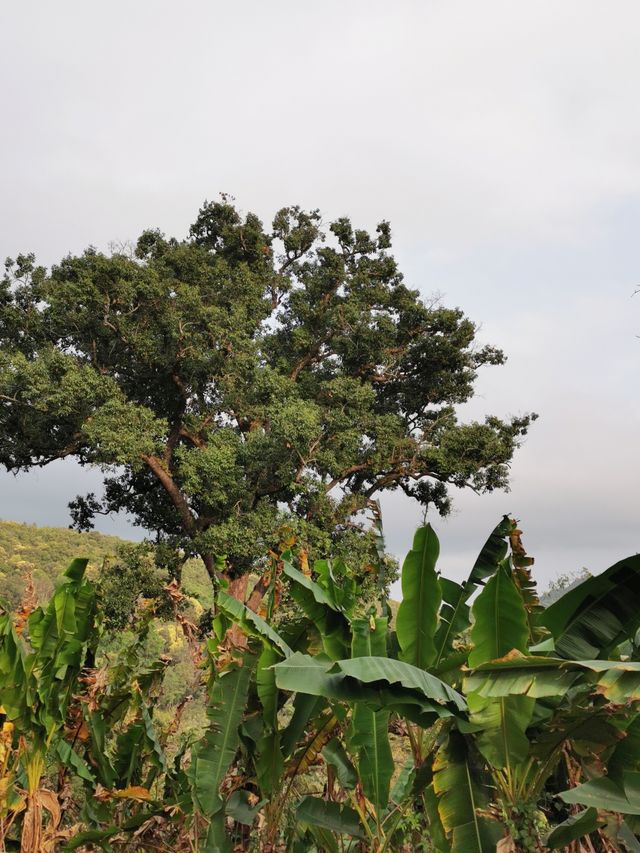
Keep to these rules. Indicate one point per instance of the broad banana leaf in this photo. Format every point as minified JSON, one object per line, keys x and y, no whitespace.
{"x":269,"y":758}
{"x":402,"y":675}
{"x":101,"y":836}
{"x":14,"y":687}
{"x":217,"y":840}
{"x":335,"y":754}
{"x":381,"y":682}
{"x":590,"y":620}
{"x":212,"y":755}
{"x":622,"y":833}
{"x":305,"y":707}
{"x":320,"y":595}
{"x":336,"y":580}
{"x":538,"y":677}
{"x":576,"y":826}
{"x":437,"y":834}
{"x":238,"y":807}
{"x":130,"y":748}
{"x":98,"y":733}
{"x":328,"y":815}
{"x":250,"y":622}
{"x":454,"y":613}
{"x":58,"y":636}
{"x":70,"y":758}
{"x":417,"y":617}
{"x":499,"y":619}
{"x":369,"y":734}
{"x":156,"y":751}
{"x":323,"y":611}
{"x":403,"y":786}
{"x":500,"y":626}
{"x":604,"y":793}
{"x":503,"y":740}
{"x":460,"y":797}
{"x":626,"y":755}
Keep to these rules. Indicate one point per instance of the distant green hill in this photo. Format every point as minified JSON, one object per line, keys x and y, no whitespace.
{"x":45,"y":552}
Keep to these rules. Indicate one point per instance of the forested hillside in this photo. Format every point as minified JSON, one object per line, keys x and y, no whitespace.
{"x":45,"y":552}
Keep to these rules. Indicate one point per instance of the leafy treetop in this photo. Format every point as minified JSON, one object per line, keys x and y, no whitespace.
{"x":242,"y":379}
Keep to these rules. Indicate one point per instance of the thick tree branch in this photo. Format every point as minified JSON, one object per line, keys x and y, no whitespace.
{"x":187,"y":518}
{"x":347,"y":473}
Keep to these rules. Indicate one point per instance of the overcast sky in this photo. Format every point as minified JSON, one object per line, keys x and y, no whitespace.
{"x":501,"y":139}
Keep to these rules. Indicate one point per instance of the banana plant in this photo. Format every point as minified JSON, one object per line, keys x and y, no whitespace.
{"x":530,"y":707}
{"x":90,"y":724}
{"x":38,"y":678}
{"x":341,"y":699}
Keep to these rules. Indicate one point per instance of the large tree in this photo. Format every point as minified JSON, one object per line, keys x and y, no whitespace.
{"x":242,"y":379}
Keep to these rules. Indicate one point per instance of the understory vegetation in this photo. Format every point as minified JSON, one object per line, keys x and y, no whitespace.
{"x":136,"y":715}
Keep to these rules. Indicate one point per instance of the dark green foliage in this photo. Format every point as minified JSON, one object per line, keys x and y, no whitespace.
{"x":133,"y":574}
{"x":591,"y":619}
{"x":228,"y":382}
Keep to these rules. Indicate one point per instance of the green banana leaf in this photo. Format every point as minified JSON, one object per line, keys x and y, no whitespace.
{"x":626,"y":755}
{"x":503,"y":740}
{"x":397,"y":686}
{"x":70,"y":758}
{"x":329,"y":815}
{"x":369,"y":737}
{"x":622,"y":834}
{"x":323,"y":611}
{"x":500,"y":626}
{"x":269,"y":758}
{"x":58,"y":636}
{"x":454,"y":613}
{"x":130,"y":747}
{"x":217,"y":840}
{"x":335,"y":754}
{"x":403,"y":786}
{"x":369,"y":733}
{"x":499,"y":619}
{"x":402,"y":675}
{"x":305,"y":707}
{"x":238,"y":807}
{"x":320,"y":595}
{"x":460,"y":797}
{"x":417,"y":617}
{"x":14,"y":682}
{"x":590,"y":620}
{"x":250,"y":622}
{"x":212,"y":755}
{"x":97,"y":836}
{"x":437,"y":833}
{"x":576,"y":826}
{"x":104,"y":769}
{"x":604,"y":793}
{"x":540,"y":677}
{"x":334,"y":577}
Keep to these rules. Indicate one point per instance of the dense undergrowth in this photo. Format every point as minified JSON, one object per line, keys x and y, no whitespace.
{"x":475,"y":720}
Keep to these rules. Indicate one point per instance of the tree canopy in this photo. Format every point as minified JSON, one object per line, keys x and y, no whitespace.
{"x":243,"y":380}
